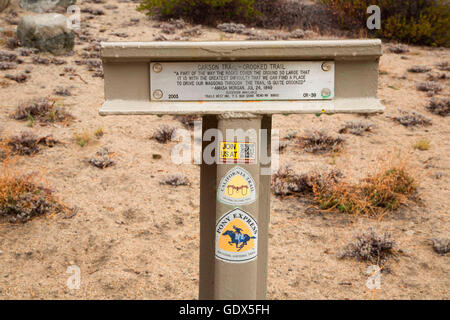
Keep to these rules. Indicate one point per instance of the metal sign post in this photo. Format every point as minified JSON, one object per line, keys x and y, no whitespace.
{"x":237,"y":87}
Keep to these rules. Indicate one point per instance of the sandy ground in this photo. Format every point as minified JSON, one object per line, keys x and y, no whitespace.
{"x":136,"y":239}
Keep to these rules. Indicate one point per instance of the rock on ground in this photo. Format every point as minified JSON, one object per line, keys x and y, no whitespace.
{"x":46,"y":32}
{"x":41,"y":6}
{"x":441,"y":246}
{"x":3,"y":4}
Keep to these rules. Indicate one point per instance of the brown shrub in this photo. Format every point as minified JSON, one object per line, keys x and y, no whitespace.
{"x":27,"y":143}
{"x":23,"y":197}
{"x":382,"y":192}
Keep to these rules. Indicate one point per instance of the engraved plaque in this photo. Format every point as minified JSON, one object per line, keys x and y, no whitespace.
{"x":242,"y":81}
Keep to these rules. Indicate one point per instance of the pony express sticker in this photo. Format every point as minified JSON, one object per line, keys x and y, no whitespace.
{"x":237,"y":152}
{"x":236,"y":237}
{"x":237,"y":187}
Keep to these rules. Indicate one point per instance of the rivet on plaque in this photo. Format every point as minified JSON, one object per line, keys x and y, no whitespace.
{"x":158,"y":94}
{"x":157,"y":68}
{"x":326,"y":93}
{"x":326,"y":66}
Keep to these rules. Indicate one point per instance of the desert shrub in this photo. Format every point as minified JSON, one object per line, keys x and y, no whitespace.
{"x":26,"y":143}
{"x":419,"y":69}
{"x":430,"y":87}
{"x":441,"y":245}
{"x":286,"y":182}
{"x":164,"y":133}
{"x":42,"y":109}
{"x":318,"y":141}
{"x":413,"y":21}
{"x":102,"y":159}
{"x":439,"y":106}
{"x":398,"y":48}
{"x":433,"y":77}
{"x":412,"y":119}
{"x":175,"y":180}
{"x":7,"y":65}
{"x":382,"y":192}
{"x":443,"y":66}
{"x":369,"y":246}
{"x":357,"y":127}
{"x":23,"y":197}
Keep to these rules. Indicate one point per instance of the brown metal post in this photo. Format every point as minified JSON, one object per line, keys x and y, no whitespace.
{"x":207,"y":218}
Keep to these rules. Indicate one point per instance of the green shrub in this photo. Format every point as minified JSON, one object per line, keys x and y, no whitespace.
{"x":413,"y":21}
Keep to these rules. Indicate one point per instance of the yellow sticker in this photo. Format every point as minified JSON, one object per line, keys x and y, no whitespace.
{"x":237,"y":152}
{"x":237,"y":187}
{"x":236,"y":237}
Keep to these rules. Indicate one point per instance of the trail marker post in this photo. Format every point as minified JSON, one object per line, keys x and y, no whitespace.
{"x":239,"y":85}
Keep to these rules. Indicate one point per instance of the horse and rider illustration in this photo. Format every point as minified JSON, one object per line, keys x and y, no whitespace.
{"x":238,"y":238}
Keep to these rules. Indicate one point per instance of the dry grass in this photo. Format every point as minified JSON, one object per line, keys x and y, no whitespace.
{"x":99,"y":132}
{"x":82,"y":138}
{"x":422,"y":145}
{"x":43,"y":110}
{"x":23,"y":197}
{"x":384,"y":191}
